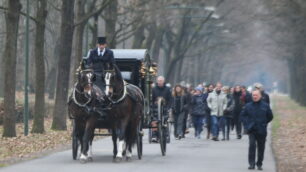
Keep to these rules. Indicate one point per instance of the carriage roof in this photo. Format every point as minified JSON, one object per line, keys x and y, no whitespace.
{"x":126,"y":54}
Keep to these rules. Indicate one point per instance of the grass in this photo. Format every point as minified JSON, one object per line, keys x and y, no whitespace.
{"x":3,"y":165}
{"x":276,"y":120}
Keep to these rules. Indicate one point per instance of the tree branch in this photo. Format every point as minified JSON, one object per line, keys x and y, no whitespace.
{"x":96,"y":12}
{"x":5,"y":9}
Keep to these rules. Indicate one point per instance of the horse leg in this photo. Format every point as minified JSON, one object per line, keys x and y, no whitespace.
{"x":89,"y":131}
{"x":129,"y":152}
{"x":114,"y":138}
{"x":128,"y":139}
{"x":122,"y":143}
{"x":90,"y":149}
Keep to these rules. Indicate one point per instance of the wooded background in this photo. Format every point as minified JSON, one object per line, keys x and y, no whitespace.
{"x":233,"y":41}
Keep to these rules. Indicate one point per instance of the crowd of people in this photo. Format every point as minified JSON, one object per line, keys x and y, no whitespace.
{"x":220,"y":109}
{"x":214,"y":107}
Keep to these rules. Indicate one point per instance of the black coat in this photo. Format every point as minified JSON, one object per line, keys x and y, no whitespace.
{"x":230,"y":106}
{"x":96,"y":62}
{"x":199,"y":105}
{"x":164,"y":92}
{"x":256,"y":116}
{"x":248,"y":98}
{"x":179,"y":104}
{"x":265,"y":97}
{"x":238,"y":104}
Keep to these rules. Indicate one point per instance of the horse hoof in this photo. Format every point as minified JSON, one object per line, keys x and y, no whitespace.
{"x":128,"y":159}
{"x":118,"y":159}
{"x":83,"y":161}
{"x":90,"y":159}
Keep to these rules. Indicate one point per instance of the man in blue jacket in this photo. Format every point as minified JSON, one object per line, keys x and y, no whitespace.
{"x":255,"y":117}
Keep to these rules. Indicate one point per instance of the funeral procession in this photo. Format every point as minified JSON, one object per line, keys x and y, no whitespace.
{"x":152,"y":85}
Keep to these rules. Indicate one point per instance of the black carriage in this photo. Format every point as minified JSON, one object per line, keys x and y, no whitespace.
{"x":137,"y":68}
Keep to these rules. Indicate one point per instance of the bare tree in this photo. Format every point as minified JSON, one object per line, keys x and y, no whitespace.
{"x":39,"y":111}
{"x":12,"y":20}
{"x":66,"y":36}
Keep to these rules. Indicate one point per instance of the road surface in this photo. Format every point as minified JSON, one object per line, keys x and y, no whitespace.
{"x":186,"y":155}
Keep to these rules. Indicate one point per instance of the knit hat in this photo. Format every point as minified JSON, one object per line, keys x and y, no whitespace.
{"x":198,"y":88}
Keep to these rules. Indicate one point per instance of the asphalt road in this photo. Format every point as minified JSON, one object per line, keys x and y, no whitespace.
{"x":186,"y":155}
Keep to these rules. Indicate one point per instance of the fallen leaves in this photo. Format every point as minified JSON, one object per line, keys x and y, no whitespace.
{"x":25,"y":146}
{"x":289,"y":141}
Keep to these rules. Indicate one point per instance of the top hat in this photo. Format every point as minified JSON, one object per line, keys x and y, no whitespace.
{"x":101,"y":40}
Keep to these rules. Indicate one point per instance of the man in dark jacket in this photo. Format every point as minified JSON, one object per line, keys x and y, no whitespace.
{"x":97,"y":59}
{"x":160,"y":90}
{"x":265,"y":96}
{"x":256,"y":116}
{"x":99,"y":56}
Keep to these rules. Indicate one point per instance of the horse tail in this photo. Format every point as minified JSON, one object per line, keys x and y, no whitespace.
{"x":137,"y":111}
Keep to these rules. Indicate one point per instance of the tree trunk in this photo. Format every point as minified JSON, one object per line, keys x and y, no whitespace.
{"x":10,"y":56}
{"x":157,"y":44}
{"x":39,"y":111}
{"x":94,"y":31}
{"x":79,"y":31}
{"x":51,"y":83}
{"x":111,"y":20}
{"x":152,"y":34}
{"x":1,"y":77}
{"x":138,"y":37}
{"x":60,"y":108}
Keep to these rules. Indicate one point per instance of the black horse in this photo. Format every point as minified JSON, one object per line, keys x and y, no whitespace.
{"x":127,"y":103}
{"x":84,"y":97}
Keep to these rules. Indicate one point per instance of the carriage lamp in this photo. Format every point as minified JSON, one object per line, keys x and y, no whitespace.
{"x":153,"y":70}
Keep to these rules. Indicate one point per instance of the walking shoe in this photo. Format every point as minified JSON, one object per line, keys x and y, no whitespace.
{"x":179,"y":137}
{"x":259,"y":168}
{"x":223,"y":139}
{"x":176,"y":138}
{"x":239,"y":137}
{"x":154,"y":140}
{"x":215,"y":139}
{"x":251,"y":167}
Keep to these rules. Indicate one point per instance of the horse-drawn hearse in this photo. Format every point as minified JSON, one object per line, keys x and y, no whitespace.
{"x":123,"y":106}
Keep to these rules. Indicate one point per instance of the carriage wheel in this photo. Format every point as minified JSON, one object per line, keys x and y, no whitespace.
{"x":162,"y":129}
{"x":150,"y":133}
{"x":75,"y":142}
{"x":139,"y":140}
{"x":168,"y":128}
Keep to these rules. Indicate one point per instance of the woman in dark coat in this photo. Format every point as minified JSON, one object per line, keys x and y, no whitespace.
{"x":179,"y":105}
{"x":237,"y":95}
{"x":198,"y":111}
{"x":228,"y":113}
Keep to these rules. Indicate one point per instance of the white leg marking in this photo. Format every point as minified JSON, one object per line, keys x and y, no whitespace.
{"x":128,"y":154}
{"x":83,"y":157}
{"x":121,"y":146}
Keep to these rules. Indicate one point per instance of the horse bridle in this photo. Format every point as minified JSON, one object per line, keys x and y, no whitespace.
{"x":75,"y":100}
{"x":80,"y":92}
{"x":111,"y":74}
